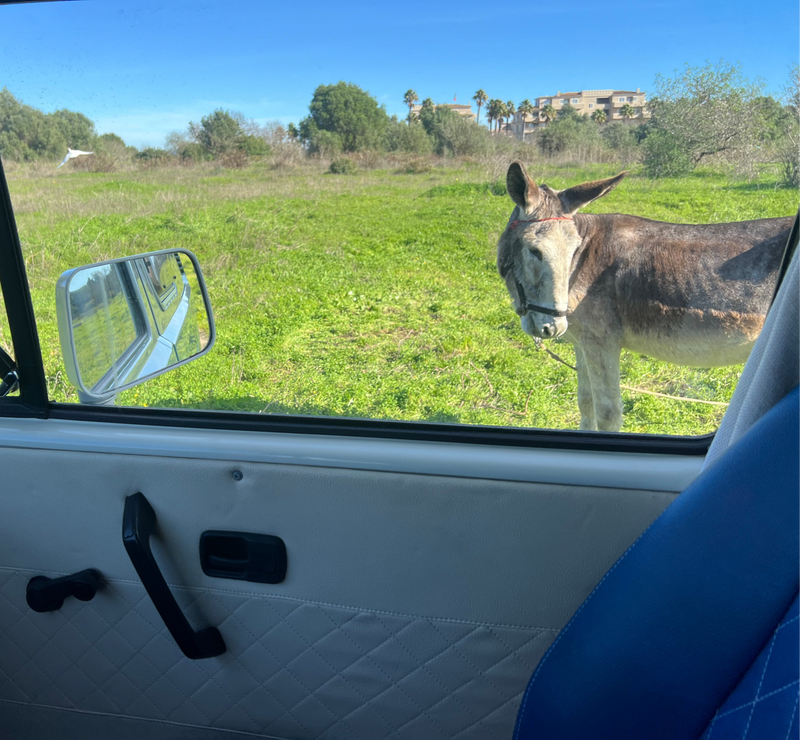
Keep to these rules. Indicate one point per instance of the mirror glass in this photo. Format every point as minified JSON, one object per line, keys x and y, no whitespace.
{"x":124,"y":321}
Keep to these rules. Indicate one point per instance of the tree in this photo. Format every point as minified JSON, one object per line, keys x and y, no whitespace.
{"x":502,"y":113}
{"x":480,"y":98}
{"x":511,"y":109}
{"x":665,"y":155}
{"x":791,"y":92}
{"x":292,"y":132}
{"x":567,"y":111}
{"x":789,"y":145}
{"x":218,"y":132}
{"x":346,"y":112}
{"x":775,"y":119}
{"x":706,"y":112}
{"x":570,"y":132}
{"x":77,"y":129}
{"x":408,"y":137}
{"x":462,"y":137}
{"x":549,"y":113}
{"x":627,"y":112}
{"x":434,"y":119}
{"x":525,"y":109}
{"x":599,"y":116}
{"x":491,"y":109}
{"x":409,"y":99}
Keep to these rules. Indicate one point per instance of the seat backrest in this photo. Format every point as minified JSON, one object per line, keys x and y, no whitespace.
{"x":676,"y":624}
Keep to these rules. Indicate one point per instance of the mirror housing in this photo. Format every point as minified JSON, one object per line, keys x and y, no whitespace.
{"x":124,"y":321}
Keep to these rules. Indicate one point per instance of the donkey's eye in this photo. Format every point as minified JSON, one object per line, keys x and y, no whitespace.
{"x":536,"y":253}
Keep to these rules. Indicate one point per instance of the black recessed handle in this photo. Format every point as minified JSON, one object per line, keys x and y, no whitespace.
{"x":243,"y":556}
{"x":138,"y":523}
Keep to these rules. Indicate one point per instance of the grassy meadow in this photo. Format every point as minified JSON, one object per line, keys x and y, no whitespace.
{"x":367,"y":295}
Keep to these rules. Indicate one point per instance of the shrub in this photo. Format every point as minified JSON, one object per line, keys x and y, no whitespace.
{"x":325,"y":143}
{"x":622,"y":139}
{"x":569,"y":132}
{"x":788,"y":155}
{"x":342,"y":166}
{"x":287,"y":153}
{"x":254,"y":146}
{"x":416,"y":166}
{"x":665,"y":155}
{"x":462,"y":137}
{"x":98,"y":162}
{"x":408,"y":137}
{"x":368,"y":159}
{"x":151,"y":157}
{"x":235,"y":159}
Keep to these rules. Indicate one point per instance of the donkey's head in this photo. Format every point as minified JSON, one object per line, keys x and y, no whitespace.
{"x":536,"y":251}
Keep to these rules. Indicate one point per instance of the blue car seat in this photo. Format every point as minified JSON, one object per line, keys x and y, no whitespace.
{"x":693,"y":633}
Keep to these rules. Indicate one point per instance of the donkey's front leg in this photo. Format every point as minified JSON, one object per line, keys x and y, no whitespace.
{"x":602,"y":362}
{"x":585,"y":400}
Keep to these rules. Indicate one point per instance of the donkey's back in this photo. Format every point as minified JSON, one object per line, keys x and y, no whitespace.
{"x":694,"y":294}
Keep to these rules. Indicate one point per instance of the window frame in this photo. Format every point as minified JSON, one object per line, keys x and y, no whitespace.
{"x":33,"y":401}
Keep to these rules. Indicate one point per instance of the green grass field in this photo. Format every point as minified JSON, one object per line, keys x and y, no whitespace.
{"x":370,"y":295}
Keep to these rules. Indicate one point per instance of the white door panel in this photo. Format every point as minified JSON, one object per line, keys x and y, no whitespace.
{"x":413,"y":606}
{"x":639,"y":471}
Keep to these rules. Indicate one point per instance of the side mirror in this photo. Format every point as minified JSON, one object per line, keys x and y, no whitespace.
{"x":124,"y":321}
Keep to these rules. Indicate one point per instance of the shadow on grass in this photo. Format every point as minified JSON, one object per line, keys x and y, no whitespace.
{"x":271,"y":408}
{"x":753,"y":187}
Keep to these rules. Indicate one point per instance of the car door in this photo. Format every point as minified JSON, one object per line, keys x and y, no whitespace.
{"x":428,"y":567}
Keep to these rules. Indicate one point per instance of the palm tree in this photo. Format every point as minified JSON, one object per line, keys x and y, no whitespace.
{"x":493,"y":111}
{"x":511,"y":109}
{"x":525,"y":109}
{"x":502,"y":114}
{"x":549,"y":113}
{"x":627,"y":111}
{"x":599,"y":116}
{"x":480,"y":98}
{"x":409,"y":99}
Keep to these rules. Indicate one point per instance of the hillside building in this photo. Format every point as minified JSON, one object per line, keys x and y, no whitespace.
{"x":585,"y":102}
{"x":460,"y":108}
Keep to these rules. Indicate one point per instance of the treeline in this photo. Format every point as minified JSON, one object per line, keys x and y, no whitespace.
{"x":704,"y":115}
{"x":344,"y":119}
{"x":714,"y":114}
{"x":27,"y":134}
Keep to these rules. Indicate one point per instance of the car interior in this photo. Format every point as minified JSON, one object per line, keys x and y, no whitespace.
{"x":177,"y":574}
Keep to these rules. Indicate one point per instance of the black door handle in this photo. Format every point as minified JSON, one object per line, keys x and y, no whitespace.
{"x":243,"y":555}
{"x":138,"y":523}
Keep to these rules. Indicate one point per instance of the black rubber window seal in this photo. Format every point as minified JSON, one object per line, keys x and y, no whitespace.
{"x":32,"y":399}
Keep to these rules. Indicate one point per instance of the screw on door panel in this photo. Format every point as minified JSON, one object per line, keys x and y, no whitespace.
{"x":237,"y":475}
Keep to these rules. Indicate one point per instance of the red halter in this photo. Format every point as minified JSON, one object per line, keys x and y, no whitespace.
{"x":514,"y":224}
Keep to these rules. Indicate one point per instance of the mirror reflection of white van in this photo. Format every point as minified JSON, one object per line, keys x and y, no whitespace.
{"x":124,"y":321}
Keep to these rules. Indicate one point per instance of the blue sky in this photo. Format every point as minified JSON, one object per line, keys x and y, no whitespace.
{"x":147,"y":68}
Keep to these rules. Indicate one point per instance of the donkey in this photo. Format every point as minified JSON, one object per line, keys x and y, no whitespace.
{"x":684,"y":293}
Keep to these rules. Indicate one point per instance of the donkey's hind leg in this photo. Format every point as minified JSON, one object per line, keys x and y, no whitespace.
{"x":585,"y":400}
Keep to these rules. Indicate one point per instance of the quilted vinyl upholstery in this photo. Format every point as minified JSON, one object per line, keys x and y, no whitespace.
{"x":764,"y":704}
{"x":293,"y":669}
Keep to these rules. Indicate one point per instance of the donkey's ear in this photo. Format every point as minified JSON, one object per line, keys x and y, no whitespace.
{"x":576,"y":198}
{"x":521,"y":188}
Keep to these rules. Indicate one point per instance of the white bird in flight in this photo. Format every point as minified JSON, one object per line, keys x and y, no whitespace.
{"x":72,"y":153}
